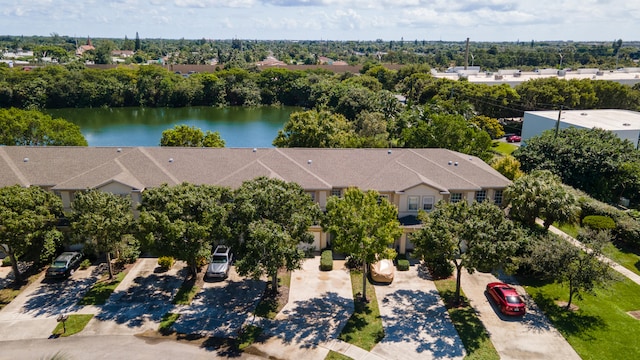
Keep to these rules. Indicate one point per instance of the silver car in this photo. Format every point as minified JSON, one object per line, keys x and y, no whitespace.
{"x":220,"y":262}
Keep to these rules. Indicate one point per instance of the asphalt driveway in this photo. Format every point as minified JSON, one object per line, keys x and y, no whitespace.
{"x":416,"y":322}
{"x":528,"y":337}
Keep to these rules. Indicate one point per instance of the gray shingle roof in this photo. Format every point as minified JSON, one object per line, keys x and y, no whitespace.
{"x":313,"y":169}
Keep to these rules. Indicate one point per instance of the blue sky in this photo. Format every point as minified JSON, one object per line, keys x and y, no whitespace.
{"x":480,"y":20}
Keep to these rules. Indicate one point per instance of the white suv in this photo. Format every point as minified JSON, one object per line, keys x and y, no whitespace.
{"x":220,"y":262}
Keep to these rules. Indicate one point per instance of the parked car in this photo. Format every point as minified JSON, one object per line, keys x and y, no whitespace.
{"x":64,"y":265}
{"x":506,"y":298}
{"x":220,"y":263}
{"x":514,"y":138}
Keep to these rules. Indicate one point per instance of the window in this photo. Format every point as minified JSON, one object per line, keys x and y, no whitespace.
{"x":57,"y":193}
{"x":427,"y":203}
{"x":336,"y":192}
{"x":481,"y":195}
{"x":497,"y":197}
{"x":456,"y":197}
{"x":413,"y":203}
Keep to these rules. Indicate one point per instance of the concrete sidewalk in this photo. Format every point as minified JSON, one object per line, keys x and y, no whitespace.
{"x":416,"y":322}
{"x":614,"y":265}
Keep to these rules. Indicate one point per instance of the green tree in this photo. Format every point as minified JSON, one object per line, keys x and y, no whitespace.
{"x":138,"y":44}
{"x":508,"y":166}
{"x":364,"y":226}
{"x":27,"y":222}
{"x":582,"y":271}
{"x":270,"y":220}
{"x":476,"y":236}
{"x":190,"y":136}
{"x":451,"y":132}
{"x":185,"y":221}
{"x":541,"y":194}
{"x":316,"y":129}
{"x":33,"y":128}
{"x":491,"y":125}
{"x":591,"y":160}
{"x":102,"y":219}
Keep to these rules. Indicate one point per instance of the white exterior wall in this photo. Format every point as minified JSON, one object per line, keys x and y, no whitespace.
{"x":534,"y":125}
{"x":631,"y":135}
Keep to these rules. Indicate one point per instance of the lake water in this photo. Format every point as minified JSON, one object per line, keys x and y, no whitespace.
{"x":238,"y":126}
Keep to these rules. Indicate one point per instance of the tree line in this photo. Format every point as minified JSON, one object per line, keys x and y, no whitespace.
{"x":525,"y":55}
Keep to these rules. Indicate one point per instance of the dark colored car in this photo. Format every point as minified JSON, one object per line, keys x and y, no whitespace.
{"x":220,"y":263}
{"x":64,"y":265}
{"x":506,"y":298}
{"x":514,"y":138}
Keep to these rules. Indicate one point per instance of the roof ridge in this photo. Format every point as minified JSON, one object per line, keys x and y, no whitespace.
{"x":156,"y":163}
{"x":303,"y":168}
{"x":242,"y":168}
{"x":13,"y":167}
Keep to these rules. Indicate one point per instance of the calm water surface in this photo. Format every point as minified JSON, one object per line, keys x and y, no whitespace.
{"x":238,"y":126}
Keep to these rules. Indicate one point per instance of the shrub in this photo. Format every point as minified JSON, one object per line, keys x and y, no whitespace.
{"x":128,"y":250}
{"x":6,"y":261}
{"x":84,"y":265}
{"x":326,"y":260}
{"x":439,"y":268}
{"x":599,"y":222}
{"x":628,"y":231}
{"x":166,"y":262}
{"x":590,"y":206}
{"x":403,"y":265}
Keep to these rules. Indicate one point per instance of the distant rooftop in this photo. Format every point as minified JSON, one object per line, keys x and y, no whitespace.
{"x":606,"y":119}
{"x":514,"y":77}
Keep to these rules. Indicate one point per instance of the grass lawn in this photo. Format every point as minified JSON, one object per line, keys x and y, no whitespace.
{"x":167,"y":322}
{"x":186,"y":293}
{"x":364,"y":328}
{"x":74,"y":324}
{"x":472,"y":333}
{"x":629,"y":258}
{"x":503,"y":148}
{"x":623,"y":256}
{"x":601,"y":328}
{"x":100,"y":291}
{"x":332,"y":355}
{"x":248,"y":336}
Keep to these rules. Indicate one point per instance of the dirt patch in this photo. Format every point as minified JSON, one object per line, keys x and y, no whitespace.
{"x":563,"y":304}
{"x":635,"y":314}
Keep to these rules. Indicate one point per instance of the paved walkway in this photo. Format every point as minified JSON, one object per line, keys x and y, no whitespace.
{"x":614,"y":265}
{"x":529,"y":337}
{"x":416,"y":322}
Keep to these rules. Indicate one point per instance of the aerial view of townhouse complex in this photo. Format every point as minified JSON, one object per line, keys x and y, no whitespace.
{"x":260,"y":199}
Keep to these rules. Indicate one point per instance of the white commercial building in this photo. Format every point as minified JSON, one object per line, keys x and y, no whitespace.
{"x":624,"y":123}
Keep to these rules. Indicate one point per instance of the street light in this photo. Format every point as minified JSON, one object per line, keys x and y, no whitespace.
{"x":561,"y":57}
{"x":472,"y":58}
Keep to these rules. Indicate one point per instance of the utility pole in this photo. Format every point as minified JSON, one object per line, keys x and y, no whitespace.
{"x":466,"y":56}
{"x":558,"y":122}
